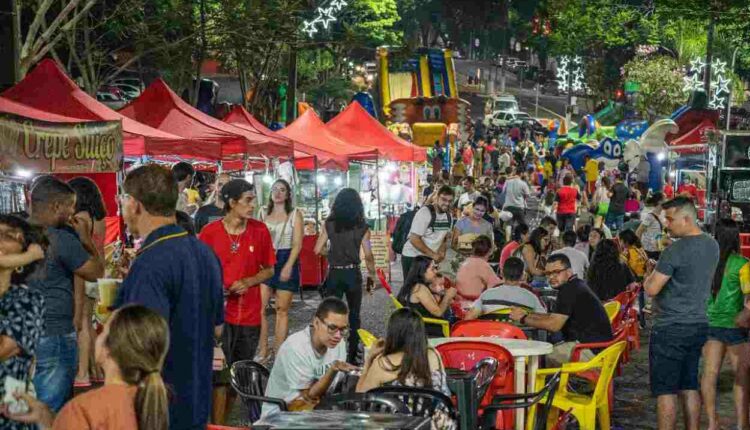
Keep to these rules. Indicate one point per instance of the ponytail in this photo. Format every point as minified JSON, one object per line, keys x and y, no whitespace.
{"x":138,"y":341}
{"x":151,"y":408}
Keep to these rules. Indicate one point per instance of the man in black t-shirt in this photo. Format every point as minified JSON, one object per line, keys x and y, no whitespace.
{"x":618,"y":196}
{"x":578,"y":313}
{"x":214,"y":210}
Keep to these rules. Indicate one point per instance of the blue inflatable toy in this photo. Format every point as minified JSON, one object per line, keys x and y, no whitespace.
{"x":609,"y":151}
{"x":630,"y":129}
{"x":365,"y":99}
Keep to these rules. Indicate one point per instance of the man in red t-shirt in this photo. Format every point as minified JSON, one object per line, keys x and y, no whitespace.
{"x":245,"y":251}
{"x":668,"y":190}
{"x":565,"y":204}
{"x":689,"y":189}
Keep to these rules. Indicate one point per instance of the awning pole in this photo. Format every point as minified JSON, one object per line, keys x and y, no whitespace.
{"x":317,"y":195}
{"x":377,"y":175}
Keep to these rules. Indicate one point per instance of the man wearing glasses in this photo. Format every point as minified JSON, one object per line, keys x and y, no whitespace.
{"x":578,"y":314}
{"x":308,"y":361}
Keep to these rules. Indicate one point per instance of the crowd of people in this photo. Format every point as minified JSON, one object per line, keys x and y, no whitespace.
{"x":203,"y":274}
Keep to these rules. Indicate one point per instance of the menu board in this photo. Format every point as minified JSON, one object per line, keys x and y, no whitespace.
{"x":737,"y":150}
{"x":737,"y":185}
{"x":380,"y":243}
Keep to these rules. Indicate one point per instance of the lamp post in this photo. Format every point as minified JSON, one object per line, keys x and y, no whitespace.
{"x":729,"y":99}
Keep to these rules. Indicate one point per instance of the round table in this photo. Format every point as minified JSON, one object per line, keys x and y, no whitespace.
{"x":521,"y":350}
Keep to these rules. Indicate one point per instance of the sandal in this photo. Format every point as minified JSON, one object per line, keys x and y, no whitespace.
{"x":82,"y":383}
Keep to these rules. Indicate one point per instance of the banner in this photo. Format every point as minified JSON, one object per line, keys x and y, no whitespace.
{"x":737,"y":150}
{"x":50,"y":147}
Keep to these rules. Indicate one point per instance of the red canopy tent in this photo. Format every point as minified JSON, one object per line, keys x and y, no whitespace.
{"x":9,"y":106}
{"x":695,"y":136}
{"x":354,"y":124}
{"x":47,"y":88}
{"x":304,"y":155}
{"x":311,"y":131}
{"x":159,"y":107}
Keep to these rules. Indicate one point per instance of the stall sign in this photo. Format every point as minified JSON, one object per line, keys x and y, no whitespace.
{"x":380,"y":243}
{"x":49,"y":147}
{"x":737,"y":151}
{"x":736,"y":184}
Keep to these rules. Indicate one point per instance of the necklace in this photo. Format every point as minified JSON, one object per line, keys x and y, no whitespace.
{"x":234,"y":240}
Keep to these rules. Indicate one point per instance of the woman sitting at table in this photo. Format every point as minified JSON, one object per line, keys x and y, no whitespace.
{"x":404,"y":359}
{"x":534,"y":253}
{"x":417,"y":294}
{"x":475,"y":274}
{"x":608,"y":275}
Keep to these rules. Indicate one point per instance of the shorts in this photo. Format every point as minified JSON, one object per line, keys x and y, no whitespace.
{"x":239,"y":342}
{"x":602,"y":209}
{"x":728,"y":336}
{"x":673,"y":357}
{"x":282,"y":256}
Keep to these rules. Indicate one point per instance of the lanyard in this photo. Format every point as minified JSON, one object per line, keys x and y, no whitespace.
{"x":161,"y":239}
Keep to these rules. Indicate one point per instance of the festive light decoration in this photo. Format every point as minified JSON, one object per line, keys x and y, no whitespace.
{"x":719,"y":85}
{"x":323,"y":16}
{"x":567,"y":66}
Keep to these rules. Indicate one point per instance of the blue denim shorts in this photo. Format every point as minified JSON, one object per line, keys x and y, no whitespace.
{"x":56,"y":361}
{"x":728,"y":336}
{"x":673,"y":357}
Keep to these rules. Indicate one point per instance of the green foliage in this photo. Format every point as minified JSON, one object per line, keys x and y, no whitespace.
{"x":371,"y":23}
{"x":660,"y":79}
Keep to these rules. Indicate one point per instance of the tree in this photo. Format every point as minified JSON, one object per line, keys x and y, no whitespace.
{"x":661,"y":83}
{"x":35,"y":40}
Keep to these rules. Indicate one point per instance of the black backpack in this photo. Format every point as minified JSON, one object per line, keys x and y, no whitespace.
{"x":403,"y":227}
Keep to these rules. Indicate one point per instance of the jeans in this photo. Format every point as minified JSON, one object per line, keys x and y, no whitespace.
{"x":615,"y":221}
{"x":348,"y":282}
{"x":56,"y":362}
{"x":566,"y":222}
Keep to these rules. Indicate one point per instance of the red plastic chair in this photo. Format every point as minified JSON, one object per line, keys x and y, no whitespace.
{"x":464,"y":355}
{"x":487,"y":328}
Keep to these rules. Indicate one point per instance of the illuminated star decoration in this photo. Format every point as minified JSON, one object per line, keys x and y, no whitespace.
{"x":719,"y":83}
{"x":719,"y":67}
{"x":697,"y":65}
{"x":692,"y":83}
{"x":567,"y":66}
{"x":338,"y":4}
{"x":309,"y":28}
{"x":325,"y":16}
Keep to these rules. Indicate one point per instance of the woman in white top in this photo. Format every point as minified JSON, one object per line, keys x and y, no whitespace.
{"x":601,"y":200}
{"x":652,"y":225}
{"x":286,"y":226}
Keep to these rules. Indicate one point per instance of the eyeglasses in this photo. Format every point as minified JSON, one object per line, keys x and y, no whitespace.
{"x":549,"y":273}
{"x":333,"y":329}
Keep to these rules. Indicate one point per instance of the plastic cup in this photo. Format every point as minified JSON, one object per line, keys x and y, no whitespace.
{"x":107,"y":292}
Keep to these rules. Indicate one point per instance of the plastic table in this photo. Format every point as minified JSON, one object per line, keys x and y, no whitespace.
{"x":521,"y":351}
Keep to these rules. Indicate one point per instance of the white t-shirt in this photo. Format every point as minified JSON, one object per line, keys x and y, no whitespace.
{"x":579,"y":262}
{"x":432,"y":237}
{"x":516,"y":191}
{"x":297,"y":367}
{"x":509,"y":293}
{"x":467,"y":198}
{"x":653,"y":228}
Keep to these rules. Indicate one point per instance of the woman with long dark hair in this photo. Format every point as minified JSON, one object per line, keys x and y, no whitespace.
{"x":89,"y":206}
{"x":608,"y":275}
{"x":21,"y":308}
{"x":728,"y":296}
{"x":286,"y":225}
{"x":131,"y":349}
{"x":419,"y":291}
{"x":346,"y":232}
{"x":404,"y":358}
{"x":534,"y":253}
{"x":596,"y":235}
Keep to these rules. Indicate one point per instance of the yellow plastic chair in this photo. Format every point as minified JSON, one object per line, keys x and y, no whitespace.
{"x":444,"y":325}
{"x":395,"y":301}
{"x":612,"y":308}
{"x":585,"y":408}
